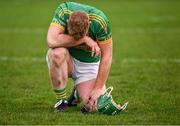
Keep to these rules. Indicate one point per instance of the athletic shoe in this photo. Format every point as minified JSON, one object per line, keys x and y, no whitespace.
{"x":84,"y":110}
{"x":74,"y":99}
{"x":61,"y":106}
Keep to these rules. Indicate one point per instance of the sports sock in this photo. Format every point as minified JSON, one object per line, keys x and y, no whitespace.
{"x":60,"y":93}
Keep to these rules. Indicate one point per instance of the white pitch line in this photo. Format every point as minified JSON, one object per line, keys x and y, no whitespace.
{"x":150,"y":61}
{"x":22,"y":59}
{"x":18,"y":30}
{"x":124,"y":61}
{"x":162,"y":18}
{"x":146,"y":30}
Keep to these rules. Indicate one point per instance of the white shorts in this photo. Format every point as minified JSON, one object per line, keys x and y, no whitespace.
{"x":83,"y":71}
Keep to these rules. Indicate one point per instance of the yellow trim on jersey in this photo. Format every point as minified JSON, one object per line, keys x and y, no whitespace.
{"x":105,"y":41}
{"x":98,"y":19}
{"x":64,"y":11}
{"x":98,"y":22}
{"x":58,"y":25}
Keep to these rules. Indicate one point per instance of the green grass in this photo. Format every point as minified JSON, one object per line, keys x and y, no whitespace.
{"x":145,"y":69}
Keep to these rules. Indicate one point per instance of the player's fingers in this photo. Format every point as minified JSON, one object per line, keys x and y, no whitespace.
{"x":98,"y":51}
{"x":92,"y":51}
{"x":95,"y":105}
{"x":92,"y":104}
{"x":88,"y":103}
{"x":88,"y":106}
{"x":92,"y":107}
{"x":95,"y":51}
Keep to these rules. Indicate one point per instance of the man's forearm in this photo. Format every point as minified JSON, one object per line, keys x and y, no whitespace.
{"x":63,"y":40}
{"x":103,"y":72}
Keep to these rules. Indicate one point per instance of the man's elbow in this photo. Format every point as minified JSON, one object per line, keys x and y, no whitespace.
{"x":50,"y":43}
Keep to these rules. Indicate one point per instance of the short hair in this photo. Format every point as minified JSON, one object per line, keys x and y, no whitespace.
{"x":78,"y":24}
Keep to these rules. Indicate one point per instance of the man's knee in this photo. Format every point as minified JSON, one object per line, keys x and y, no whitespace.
{"x":57,"y":54}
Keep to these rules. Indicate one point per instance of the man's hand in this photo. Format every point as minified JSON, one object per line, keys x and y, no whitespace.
{"x":93,"y":97}
{"x":95,"y":50}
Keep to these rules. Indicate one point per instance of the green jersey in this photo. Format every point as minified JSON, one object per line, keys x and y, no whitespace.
{"x":99,"y":29}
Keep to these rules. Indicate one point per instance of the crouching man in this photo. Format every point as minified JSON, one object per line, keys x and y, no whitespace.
{"x":80,"y":46}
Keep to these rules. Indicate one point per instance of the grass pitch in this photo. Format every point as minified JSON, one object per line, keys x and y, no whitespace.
{"x":145,"y":69}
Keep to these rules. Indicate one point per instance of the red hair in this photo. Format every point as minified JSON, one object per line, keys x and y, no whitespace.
{"x":78,"y":24}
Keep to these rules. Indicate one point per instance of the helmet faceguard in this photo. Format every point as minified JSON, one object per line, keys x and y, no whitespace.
{"x":106,"y":104}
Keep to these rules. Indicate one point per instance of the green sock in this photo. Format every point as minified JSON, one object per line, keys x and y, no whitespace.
{"x":60,"y":93}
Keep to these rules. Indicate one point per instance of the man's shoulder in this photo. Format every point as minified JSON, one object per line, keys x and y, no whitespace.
{"x":99,"y":20}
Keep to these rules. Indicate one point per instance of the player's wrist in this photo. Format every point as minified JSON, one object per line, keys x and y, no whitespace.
{"x":99,"y":85}
{"x":86,"y":39}
{"x":80,"y":41}
{"x":89,"y":41}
